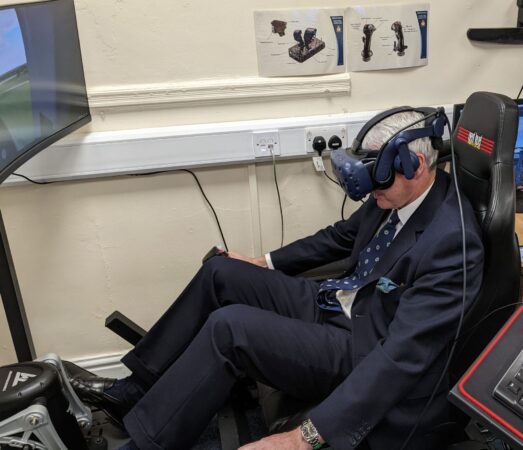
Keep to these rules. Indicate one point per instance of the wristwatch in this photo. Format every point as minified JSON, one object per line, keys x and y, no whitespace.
{"x":310,"y":434}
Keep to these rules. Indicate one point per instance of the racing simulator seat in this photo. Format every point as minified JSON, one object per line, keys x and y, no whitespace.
{"x":484,"y":141}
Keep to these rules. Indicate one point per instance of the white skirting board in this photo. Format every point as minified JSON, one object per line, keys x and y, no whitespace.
{"x":104,"y":365}
{"x":113,"y":153}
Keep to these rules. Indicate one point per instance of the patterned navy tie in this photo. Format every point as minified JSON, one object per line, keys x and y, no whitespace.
{"x":367,"y":259}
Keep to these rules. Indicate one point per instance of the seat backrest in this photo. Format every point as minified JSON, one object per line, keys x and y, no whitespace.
{"x":484,"y":140}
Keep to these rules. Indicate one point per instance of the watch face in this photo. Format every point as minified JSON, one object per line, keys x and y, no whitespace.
{"x":308,"y":431}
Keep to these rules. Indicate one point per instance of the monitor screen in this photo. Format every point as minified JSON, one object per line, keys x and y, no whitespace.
{"x":518,"y":150}
{"x":42,"y":86}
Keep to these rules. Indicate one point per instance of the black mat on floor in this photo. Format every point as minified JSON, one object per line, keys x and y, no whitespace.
{"x":256,"y":429}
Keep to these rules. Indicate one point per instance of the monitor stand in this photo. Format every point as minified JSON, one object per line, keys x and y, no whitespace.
{"x":13,"y":303}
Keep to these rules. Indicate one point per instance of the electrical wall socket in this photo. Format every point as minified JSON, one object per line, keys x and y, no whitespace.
{"x":262,"y":142}
{"x":327,"y":132}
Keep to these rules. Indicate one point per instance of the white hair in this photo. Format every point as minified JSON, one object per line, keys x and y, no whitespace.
{"x":383,"y":130}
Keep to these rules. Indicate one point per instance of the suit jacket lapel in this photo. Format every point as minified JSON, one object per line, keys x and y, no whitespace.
{"x":410,"y":232}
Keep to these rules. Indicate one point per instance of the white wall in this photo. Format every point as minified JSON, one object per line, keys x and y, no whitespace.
{"x":164,"y":49}
{"x":85,"y":248}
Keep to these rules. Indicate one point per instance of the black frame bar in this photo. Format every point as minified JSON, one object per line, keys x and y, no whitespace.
{"x":13,"y":303}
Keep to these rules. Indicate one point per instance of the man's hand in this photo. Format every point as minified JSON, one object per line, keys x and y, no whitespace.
{"x":258,"y":261}
{"x":282,"y":441}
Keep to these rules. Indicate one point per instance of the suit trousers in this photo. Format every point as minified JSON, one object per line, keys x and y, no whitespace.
{"x":233,"y":320}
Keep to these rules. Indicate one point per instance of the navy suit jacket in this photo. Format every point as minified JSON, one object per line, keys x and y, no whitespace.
{"x":400,"y":339}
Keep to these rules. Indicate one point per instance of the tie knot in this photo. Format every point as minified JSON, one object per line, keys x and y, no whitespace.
{"x":393,"y":218}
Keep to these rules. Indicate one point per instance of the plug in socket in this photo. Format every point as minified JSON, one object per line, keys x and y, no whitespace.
{"x":327,"y":132}
{"x":263,"y":141}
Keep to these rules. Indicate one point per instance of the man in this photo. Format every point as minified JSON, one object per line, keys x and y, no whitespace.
{"x":367,"y":349}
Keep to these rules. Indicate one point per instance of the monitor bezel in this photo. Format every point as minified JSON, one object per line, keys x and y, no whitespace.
{"x":42,"y":145}
{"x":36,"y":148}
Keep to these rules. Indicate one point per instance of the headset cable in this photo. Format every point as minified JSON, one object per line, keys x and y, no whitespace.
{"x":463,"y":299}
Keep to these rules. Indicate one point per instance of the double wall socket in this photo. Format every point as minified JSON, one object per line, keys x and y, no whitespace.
{"x":265,"y":141}
{"x":327,"y":132}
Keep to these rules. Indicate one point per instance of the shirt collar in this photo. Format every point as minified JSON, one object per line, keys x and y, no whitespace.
{"x":407,"y":211}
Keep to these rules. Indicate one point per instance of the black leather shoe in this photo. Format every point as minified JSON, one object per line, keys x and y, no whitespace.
{"x":91,"y":389}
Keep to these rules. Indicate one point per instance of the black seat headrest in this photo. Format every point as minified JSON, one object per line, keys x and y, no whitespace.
{"x":484,"y":138}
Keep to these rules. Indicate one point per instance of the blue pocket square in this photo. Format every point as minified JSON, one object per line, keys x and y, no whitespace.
{"x":386,"y":285}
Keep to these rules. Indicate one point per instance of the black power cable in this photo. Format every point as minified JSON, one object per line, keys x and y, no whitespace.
{"x":278,"y":192}
{"x":491,"y":313}
{"x":32,"y":181}
{"x":519,"y":93}
{"x":344,"y":197}
{"x":157,"y":173}
{"x":337,"y":184}
{"x":343,"y":207}
{"x":210,"y":205}
{"x":330,"y":178}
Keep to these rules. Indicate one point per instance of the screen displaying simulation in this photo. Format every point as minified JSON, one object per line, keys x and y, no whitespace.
{"x":518,"y":152}
{"x":42,"y":86}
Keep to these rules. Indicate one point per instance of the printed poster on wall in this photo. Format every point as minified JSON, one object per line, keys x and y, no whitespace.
{"x":300,"y":42}
{"x":387,"y":36}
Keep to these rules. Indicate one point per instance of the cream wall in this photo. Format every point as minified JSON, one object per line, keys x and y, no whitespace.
{"x":85,"y":248}
{"x":185,"y":45}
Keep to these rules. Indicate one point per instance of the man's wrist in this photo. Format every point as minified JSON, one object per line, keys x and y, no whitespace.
{"x":260,"y":261}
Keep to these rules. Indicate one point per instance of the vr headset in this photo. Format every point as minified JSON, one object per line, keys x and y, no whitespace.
{"x":360,"y":171}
